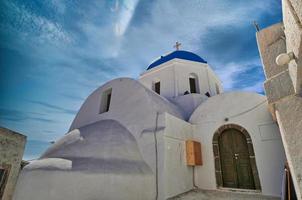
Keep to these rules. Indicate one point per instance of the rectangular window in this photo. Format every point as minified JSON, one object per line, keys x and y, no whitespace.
{"x":157,"y":87}
{"x":105,"y":101}
{"x":4,"y":171}
{"x":192,"y":85}
{"x":2,"y":176}
{"x":217,"y":89}
{"x":108,"y":102}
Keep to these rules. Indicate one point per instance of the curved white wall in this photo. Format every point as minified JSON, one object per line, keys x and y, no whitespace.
{"x":130,"y":103}
{"x":96,"y":161}
{"x":248,"y":110}
{"x":84,"y":158}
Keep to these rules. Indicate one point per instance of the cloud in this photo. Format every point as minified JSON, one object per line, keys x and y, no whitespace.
{"x":73,"y":97}
{"x":242,"y":75}
{"x":54,"y":107}
{"x":125,"y":11}
{"x":48,"y":131}
{"x":20,"y":116}
{"x":31,"y":27}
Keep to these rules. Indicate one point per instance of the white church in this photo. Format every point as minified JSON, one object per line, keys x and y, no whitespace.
{"x":170,"y":131}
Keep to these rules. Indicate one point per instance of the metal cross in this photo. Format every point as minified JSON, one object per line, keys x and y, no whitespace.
{"x":177,"y":45}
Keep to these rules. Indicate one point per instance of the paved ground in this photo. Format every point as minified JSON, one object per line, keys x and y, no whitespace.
{"x":221,"y":195}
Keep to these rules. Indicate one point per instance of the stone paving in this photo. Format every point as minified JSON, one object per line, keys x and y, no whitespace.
{"x":221,"y":195}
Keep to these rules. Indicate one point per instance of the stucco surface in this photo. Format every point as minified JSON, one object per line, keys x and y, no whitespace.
{"x":61,"y":185}
{"x":293,"y":32}
{"x":284,"y":92}
{"x":174,"y":77}
{"x":279,"y":87}
{"x":178,"y":176}
{"x":289,"y":115}
{"x":130,"y":101}
{"x":188,"y":103}
{"x":271,"y":43}
{"x":221,"y":195}
{"x":12,"y":146}
{"x":255,"y":118}
{"x":298,"y":8}
{"x":93,"y":158}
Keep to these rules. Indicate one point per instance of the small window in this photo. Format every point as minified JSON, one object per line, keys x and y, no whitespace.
{"x":217,"y":89}
{"x":157,"y":87}
{"x":4,"y":171}
{"x":192,"y":85}
{"x":105,"y":101}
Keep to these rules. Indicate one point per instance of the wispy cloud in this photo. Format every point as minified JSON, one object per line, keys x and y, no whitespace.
{"x":54,"y":107}
{"x":124,"y":11}
{"x":240,"y":75}
{"x":20,"y":116}
{"x":73,"y":97}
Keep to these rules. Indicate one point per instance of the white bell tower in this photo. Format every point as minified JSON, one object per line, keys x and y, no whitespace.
{"x":180,"y":73}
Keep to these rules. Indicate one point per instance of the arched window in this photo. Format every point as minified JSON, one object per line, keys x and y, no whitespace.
{"x":193,"y":82}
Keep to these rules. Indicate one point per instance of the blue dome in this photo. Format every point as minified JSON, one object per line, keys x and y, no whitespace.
{"x":185,"y":55}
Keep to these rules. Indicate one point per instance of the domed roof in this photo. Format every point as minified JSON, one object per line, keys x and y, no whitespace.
{"x":185,"y":55}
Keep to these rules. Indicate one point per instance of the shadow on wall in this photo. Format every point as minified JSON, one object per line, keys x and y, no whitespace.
{"x":104,"y":147}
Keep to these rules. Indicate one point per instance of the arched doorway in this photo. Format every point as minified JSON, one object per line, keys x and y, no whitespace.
{"x":235,"y":163}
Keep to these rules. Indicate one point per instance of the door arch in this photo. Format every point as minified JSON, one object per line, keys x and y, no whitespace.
{"x":235,"y":171}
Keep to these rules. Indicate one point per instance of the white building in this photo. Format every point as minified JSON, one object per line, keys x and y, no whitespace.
{"x":129,"y":140}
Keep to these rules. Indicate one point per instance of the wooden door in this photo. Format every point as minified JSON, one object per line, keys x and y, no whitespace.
{"x":235,"y":160}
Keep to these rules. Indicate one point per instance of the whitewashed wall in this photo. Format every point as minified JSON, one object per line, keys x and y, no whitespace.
{"x":141,"y":115}
{"x":73,"y":168}
{"x":248,"y":110}
{"x":98,"y":161}
{"x":178,"y":176}
{"x":174,"y":77}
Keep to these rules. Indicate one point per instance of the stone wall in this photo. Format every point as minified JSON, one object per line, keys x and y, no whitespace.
{"x":284,"y":83}
{"x":12,"y":146}
{"x":293,"y":33}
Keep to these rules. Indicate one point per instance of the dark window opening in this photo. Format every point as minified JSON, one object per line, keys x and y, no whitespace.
{"x":192,"y":85}
{"x":4,"y":172}
{"x":105,"y":101}
{"x":217,"y":89}
{"x":157,"y":87}
{"x":108,"y":102}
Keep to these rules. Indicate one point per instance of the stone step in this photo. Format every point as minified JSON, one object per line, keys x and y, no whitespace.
{"x":199,"y":194}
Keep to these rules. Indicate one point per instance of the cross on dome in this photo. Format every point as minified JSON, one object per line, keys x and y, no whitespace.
{"x":177,"y":45}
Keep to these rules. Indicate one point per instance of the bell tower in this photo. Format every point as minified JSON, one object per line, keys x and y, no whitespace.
{"x":181,"y":73}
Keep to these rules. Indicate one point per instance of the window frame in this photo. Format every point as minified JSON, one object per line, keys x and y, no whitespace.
{"x":156,"y":87}
{"x":192,"y":82}
{"x":194,"y":77}
{"x":106,"y":99}
{"x":4,"y":178}
{"x":217,"y":88}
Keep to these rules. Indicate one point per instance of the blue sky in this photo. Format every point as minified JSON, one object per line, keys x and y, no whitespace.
{"x":54,"y":53}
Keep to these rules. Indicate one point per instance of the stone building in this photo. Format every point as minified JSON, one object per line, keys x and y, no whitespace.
{"x":12,"y":146}
{"x":280,"y":47}
{"x":164,"y":134}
